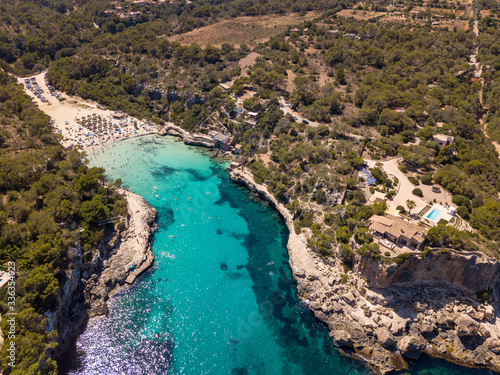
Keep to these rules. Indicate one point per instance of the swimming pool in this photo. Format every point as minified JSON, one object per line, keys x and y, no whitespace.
{"x":433,"y":215}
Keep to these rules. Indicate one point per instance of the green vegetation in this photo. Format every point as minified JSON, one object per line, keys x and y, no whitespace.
{"x":382,"y":92}
{"x":418,"y":192}
{"x":46,"y":196}
{"x":401,"y":258}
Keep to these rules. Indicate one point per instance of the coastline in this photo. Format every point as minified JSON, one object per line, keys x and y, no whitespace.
{"x":132,"y":248}
{"x":381,"y":326}
{"x":386,"y":327}
{"x":89,"y":286}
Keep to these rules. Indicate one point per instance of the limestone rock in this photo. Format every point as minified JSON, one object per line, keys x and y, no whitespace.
{"x":314,"y":305}
{"x":489,"y":312}
{"x":420,"y":307}
{"x":466,"y":326}
{"x":445,"y":320}
{"x":398,"y":326}
{"x":493,"y":345}
{"x":342,"y":338}
{"x":411,"y":346}
{"x":349,"y":298}
{"x":385,"y":338}
{"x":426,"y":329}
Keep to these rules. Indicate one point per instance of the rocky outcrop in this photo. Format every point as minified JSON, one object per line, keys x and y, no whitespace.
{"x":121,"y":258}
{"x":411,"y":346}
{"x":130,"y":256}
{"x":188,"y":138}
{"x":386,"y":314}
{"x":469,"y":272}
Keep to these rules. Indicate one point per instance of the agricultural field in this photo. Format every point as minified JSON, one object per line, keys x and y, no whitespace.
{"x":242,"y":30}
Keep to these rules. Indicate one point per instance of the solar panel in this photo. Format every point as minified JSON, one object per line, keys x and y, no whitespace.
{"x":365,"y":171}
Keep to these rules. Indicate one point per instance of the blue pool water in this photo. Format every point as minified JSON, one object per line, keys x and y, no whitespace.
{"x":220,"y":298}
{"x":434,"y":215}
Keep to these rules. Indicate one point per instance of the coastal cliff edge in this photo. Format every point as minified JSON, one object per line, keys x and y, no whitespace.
{"x":388,"y":314}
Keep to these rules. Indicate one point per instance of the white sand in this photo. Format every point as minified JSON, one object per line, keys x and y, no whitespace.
{"x":64,"y":117}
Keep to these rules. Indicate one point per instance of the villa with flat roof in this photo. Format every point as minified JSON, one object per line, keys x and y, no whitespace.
{"x":398,"y":231}
{"x":443,"y":140}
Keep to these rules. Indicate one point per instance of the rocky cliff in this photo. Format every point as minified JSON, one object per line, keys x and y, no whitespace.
{"x":120,"y":259}
{"x":388,"y":314}
{"x":469,"y":272}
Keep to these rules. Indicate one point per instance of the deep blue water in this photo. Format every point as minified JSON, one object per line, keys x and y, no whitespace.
{"x":220,"y":298}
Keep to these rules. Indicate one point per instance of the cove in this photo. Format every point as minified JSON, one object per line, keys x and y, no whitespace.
{"x":220,"y":298}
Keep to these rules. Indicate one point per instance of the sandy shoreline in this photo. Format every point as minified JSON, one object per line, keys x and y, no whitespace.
{"x":81,"y":123}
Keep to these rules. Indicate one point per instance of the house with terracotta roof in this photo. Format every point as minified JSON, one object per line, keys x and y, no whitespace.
{"x":398,"y":231}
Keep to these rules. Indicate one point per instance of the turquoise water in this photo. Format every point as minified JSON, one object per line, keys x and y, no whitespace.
{"x":434,"y":214}
{"x":220,"y":298}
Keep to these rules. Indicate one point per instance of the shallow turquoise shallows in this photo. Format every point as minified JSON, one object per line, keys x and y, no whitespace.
{"x":220,"y":298}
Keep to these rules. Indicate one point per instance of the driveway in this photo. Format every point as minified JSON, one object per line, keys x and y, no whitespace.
{"x":404,"y":189}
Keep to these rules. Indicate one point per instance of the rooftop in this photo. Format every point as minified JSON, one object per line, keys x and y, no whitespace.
{"x":396,"y":227}
{"x":443,"y":137}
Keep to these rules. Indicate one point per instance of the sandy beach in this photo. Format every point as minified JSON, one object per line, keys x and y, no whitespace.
{"x":80,"y":122}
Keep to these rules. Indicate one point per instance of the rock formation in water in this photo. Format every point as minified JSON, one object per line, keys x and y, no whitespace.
{"x":387,"y":314}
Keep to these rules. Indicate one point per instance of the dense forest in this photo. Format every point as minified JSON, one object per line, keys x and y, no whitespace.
{"x":348,"y":74}
{"x":386,"y":68}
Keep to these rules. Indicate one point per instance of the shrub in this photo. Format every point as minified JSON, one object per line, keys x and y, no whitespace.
{"x":379,"y":208}
{"x":307,"y":219}
{"x":460,"y":200}
{"x":477,"y":202}
{"x":426,"y":179}
{"x":402,"y":258}
{"x":296,"y":226}
{"x":120,"y":226}
{"x":463,"y":212}
{"x":346,"y":252}
{"x":418,"y":192}
{"x":343,"y":234}
{"x":323,"y":131}
{"x":425,"y":252}
{"x":414,"y":181}
{"x":484,"y":295}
